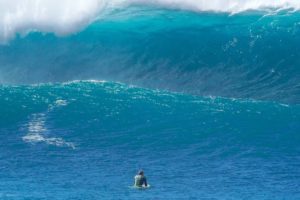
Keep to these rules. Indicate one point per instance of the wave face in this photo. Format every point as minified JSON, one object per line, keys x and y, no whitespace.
{"x":97,"y":134}
{"x":247,"y":55}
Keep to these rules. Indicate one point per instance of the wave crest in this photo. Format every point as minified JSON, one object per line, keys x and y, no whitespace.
{"x":66,"y":16}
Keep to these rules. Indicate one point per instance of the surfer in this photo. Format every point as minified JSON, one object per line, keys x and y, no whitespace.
{"x":140,"y":180}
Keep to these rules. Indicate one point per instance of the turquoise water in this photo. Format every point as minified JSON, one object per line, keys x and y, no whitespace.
{"x":247,"y":55}
{"x":206,"y":103}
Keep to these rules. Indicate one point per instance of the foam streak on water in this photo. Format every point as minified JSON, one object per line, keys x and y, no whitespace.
{"x":37,"y":129}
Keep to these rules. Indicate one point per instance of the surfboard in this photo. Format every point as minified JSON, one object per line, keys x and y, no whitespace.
{"x":141,"y":188}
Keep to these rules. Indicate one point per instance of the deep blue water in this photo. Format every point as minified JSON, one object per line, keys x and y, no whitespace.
{"x":208,"y":104}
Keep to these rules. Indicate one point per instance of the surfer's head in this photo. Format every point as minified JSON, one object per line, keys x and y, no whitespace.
{"x":141,"y":172}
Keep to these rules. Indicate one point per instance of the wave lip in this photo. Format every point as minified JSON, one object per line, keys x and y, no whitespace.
{"x":66,"y":16}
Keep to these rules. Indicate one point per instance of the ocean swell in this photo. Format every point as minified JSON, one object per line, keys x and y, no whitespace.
{"x":253,"y":146}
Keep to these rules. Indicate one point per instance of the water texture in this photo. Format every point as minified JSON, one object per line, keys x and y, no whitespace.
{"x":205,"y":97}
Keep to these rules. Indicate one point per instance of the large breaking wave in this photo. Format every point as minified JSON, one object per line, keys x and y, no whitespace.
{"x":250,"y":54}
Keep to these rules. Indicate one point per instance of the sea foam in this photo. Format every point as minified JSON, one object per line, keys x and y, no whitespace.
{"x":37,"y":129}
{"x":59,"y":16}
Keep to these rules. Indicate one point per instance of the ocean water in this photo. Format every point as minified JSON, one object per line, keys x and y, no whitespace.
{"x":204,"y":97}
